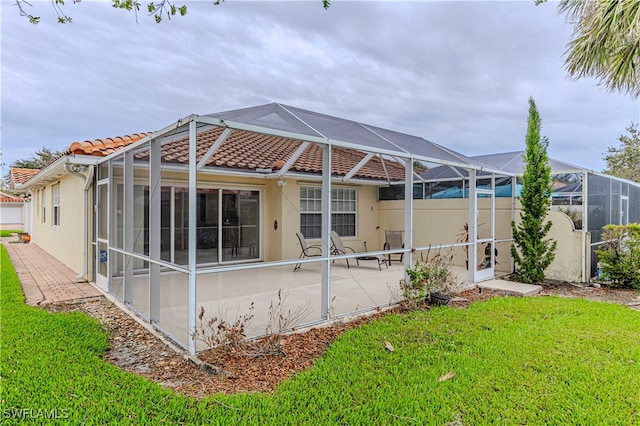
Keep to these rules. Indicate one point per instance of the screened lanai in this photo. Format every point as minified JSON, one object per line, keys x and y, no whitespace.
{"x":198,"y":220}
{"x":592,"y":199}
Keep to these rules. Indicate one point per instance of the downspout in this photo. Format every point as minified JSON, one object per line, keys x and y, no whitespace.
{"x":75,"y":170}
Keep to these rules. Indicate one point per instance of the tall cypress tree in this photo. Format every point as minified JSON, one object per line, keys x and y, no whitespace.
{"x":532,"y":252}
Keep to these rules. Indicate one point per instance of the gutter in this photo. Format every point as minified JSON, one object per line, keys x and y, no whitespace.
{"x":75,"y":170}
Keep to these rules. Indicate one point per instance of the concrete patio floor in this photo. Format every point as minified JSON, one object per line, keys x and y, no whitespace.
{"x":230,"y":295}
{"x":267,"y":291}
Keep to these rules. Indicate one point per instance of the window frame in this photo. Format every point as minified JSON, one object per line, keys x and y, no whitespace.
{"x":55,"y":204}
{"x":43,"y":204}
{"x":340,"y":206}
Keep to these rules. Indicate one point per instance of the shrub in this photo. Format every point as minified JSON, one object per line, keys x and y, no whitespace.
{"x":214,"y":331}
{"x":532,"y":251}
{"x":426,"y":276}
{"x":232,"y":337}
{"x":620,"y":255}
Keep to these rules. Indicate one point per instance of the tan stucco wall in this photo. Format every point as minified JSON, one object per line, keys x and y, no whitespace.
{"x":567,"y":265}
{"x":438,"y":222}
{"x":366,"y":219}
{"x":63,"y":242}
{"x":441,"y":222}
{"x":435,"y":222}
{"x":272,"y":213}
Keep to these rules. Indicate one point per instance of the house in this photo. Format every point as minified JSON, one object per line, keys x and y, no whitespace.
{"x":198,"y":219}
{"x":11,"y":212}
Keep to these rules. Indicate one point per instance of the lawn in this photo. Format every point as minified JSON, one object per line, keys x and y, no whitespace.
{"x":540,"y":360}
{"x":8,"y":232}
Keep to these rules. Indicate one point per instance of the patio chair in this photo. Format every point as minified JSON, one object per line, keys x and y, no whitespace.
{"x":393,"y":241}
{"x":379,"y":258}
{"x":307,"y":250}
{"x":337,"y":248}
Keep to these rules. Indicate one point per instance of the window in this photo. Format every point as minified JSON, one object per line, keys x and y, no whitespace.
{"x":44,"y":206}
{"x":56,"y":204}
{"x":343,"y":211}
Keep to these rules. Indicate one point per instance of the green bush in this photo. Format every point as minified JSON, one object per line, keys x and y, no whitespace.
{"x":426,"y":276}
{"x":8,"y":232}
{"x":620,"y":255}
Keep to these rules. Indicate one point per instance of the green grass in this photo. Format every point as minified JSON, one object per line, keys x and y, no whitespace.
{"x":8,"y":232}
{"x":516,"y":361}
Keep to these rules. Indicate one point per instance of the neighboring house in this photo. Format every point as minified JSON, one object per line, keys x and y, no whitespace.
{"x":11,"y":212}
{"x":203,"y":214}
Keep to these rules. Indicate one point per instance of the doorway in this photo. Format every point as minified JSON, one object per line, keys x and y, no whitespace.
{"x":485,"y":228}
{"x":102,"y":235}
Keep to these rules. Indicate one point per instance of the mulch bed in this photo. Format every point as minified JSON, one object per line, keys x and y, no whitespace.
{"x":135,"y":349}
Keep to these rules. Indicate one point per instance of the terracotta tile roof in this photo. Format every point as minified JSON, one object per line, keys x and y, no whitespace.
{"x":104,"y":147}
{"x":241,"y":150}
{"x":8,"y":198}
{"x":22,"y":175}
{"x":250,"y":151}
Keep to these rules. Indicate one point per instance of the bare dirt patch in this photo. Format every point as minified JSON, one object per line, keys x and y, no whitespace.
{"x":133,"y":348}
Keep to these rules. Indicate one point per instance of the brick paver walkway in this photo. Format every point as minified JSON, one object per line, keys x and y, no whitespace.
{"x":45,"y":279}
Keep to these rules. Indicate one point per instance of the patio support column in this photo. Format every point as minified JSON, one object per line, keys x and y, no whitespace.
{"x":172,"y":224}
{"x":192,"y":236}
{"x":325,"y":292}
{"x":408,"y":214}
{"x":494,"y":246}
{"x":473,"y":223}
{"x":154,"y":231}
{"x":514,"y":196}
{"x":586,"y":242}
{"x":128,"y":227}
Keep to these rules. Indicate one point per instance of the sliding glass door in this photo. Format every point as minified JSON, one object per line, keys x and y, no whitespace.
{"x":229,"y":233}
{"x":240,"y":214}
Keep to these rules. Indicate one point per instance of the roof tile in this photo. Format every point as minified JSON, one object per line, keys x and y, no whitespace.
{"x":241,"y":150}
{"x":250,"y":151}
{"x":9,"y":198}
{"x":22,"y":175}
{"x":104,"y":147}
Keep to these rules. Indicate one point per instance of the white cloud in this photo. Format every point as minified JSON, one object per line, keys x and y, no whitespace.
{"x":457,"y":73}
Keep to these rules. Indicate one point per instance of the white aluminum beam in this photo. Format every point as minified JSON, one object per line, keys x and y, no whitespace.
{"x":408,"y":215}
{"x":302,"y":121}
{"x":358,"y":166}
{"x":158,"y":134}
{"x":154,"y":229}
{"x":455,"y":170}
{"x":213,"y":148}
{"x":325,"y":292}
{"x":298,"y":152}
{"x":335,"y":142}
{"x":259,"y":129}
{"x":192,"y":237}
{"x":472,"y":225}
{"x":128,"y":226}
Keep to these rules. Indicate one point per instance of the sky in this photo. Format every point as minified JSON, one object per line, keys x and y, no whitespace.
{"x":456,"y":73}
